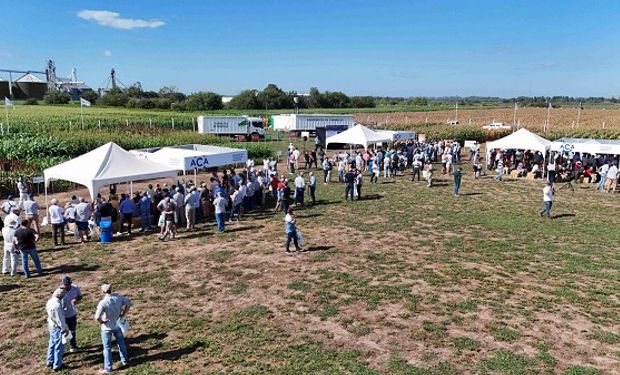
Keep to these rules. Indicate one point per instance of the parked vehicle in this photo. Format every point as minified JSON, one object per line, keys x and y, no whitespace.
{"x":497,"y":126}
{"x":309,"y":122}
{"x":231,"y":125}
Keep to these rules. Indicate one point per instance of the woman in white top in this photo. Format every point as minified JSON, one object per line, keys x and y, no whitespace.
{"x":10,"y":252}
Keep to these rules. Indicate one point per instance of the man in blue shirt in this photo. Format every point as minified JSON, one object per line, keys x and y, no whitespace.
{"x":126,"y":209}
{"x":145,"y":212}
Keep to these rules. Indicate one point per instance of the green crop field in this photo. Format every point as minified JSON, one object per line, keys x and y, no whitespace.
{"x":410,"y":280}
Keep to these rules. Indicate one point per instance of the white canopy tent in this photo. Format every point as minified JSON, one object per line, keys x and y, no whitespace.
{"x":522,"y":139}
{"x":193,"y":156}
{"x":359,"y":135}
{"x":586,"y":145}
{"x":108,"y":164}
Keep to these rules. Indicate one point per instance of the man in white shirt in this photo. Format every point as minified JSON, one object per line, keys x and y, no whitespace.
{"x":602,"y":172}
{"x":180,"y":199}
{"x":612,"y":178}
{"x":111,"y":309}
{"x":300,"y":187}
{"x":220,"y":211}
{"x":83,"y":212}
{"x":312,"y":186}
{"x":547,"y":200}
{"x":192,"y":203}
{"x":237,"y":200}
{"x":31,"y":210}
{"x":57,"y":327}
{"x":23,"y":190}
{"x":9,"y":250}
{"x":57,"y":220}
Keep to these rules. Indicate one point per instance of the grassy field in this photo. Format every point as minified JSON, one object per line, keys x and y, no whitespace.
{"x":410,"y":280}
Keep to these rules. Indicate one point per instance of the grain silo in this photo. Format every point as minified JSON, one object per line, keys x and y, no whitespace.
{"x":4,"y":89}
{"x":29,"y":86}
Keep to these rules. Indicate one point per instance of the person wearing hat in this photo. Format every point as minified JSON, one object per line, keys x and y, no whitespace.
{"x":13,"y":216}
{"x":110,"y":309}
{"x":6,"y":206}
{"x":57,"y":220}
{"x":10,"y":251}
{"x":57,"y":327}
{"x":25,"y":240}
{"x":72,"y":296}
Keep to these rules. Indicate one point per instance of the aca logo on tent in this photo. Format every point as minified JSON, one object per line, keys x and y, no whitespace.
{"x":199,"y":162}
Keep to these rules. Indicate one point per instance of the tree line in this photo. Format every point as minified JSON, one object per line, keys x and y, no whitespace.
{"x":273,"y":97}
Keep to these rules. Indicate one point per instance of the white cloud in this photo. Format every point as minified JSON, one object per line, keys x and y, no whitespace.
{"x":114,"y":20}
{"x":107,"y":53}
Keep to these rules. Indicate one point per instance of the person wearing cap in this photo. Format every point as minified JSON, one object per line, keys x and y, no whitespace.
{"x":31,"y":210}
{"x":57,"y":327}
{"x":110,"y":309}
{"x":25,"y":240}
{"x":220,"y":204}
{"x":13,"y":216}
{"x":57,"y":219}
{"x":10,"y":251}
{"x":72,"y":296}
{"x":6,"y":206}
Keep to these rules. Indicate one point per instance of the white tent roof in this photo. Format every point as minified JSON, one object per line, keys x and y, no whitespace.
{"x":105,"y":165}
{"x":587,"y":145}
{"x":193,"y":156}
{"x":359,"y":135}
{"x":522,"y":139}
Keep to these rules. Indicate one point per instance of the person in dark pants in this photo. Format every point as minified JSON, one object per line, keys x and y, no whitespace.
{"x":300,"y":188}
{"x":415,"y":169}
{"x":291,"y":231}
{"x":73,"y":295}
{"x":25,"y":239}
{"x":349,"y":180}
{"x":286,"y":196}
{"x":457,"y":180}
{"x":312,"y":187}
{"x":126,"y":210}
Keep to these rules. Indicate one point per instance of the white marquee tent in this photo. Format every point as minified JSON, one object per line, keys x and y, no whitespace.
{"x":586,"y":145}
{"x":522,"y":139}
{"x":193,"y":156}
{"x":108,"y":164}
{"x":359,"y":135}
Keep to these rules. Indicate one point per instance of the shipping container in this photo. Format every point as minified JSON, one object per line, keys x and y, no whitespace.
{"x":231,"y":125}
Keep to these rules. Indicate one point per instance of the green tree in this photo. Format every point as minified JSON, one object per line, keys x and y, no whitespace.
{"x":314,"y":98}
{"x":204,"y":101}
{"x":335,"y":99}
{"x":90,"y":95}
{"x":417,"y":101}
{"x":114,"y":97}
{"x":362,"y":102}
{"x":273,"y":97}
{"x":247,"y":99}
{"x":56,"y":97}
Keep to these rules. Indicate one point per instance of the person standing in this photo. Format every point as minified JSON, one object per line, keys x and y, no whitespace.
{"x":23,"y":190}
{"x":237,"y":200}
{"x":500,"y":170}
{"x":25,"y":239}
{"x":458,"y":174}
{"x":300,"y":188}
{"x":349,"y":180}
{"x":290,"y":223}
{"x":612,"y":178}
{"x":220,"y":211}
{"x":180,"y":200}
{"x":286,"y":196}
{"x":415,"y":168}
{"x":72,"y":296}
{"x":548,"y":193}
{"x":602,"y":172}
{"x":167,"y":209}
{"x":312,"y":187}
{"x":126,"y":210}
{"x":327,"y":167}
{"x":109,"y":310}
{"x":359,"y":181}
{"x":145,"y":212}
{"x":192,"y":203}
{"x":57,"y":328}
{"x":83,"y":212}
{"x":57,"y":219}
{"x":10,"y":251}
{"x":31,"y":210}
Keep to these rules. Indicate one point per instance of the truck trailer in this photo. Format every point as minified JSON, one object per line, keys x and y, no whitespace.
{"x":309,"y":122}
{"x":231,"y":125}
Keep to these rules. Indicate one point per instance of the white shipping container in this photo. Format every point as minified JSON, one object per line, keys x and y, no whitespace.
{"x":230,"y":125}
{"x":308,"y":122}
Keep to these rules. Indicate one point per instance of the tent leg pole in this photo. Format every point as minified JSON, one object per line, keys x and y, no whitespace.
{"x":131,"y":187}
{"x":47,"y":207}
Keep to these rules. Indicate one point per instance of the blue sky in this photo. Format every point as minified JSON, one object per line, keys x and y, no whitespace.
{"x":395,"y":48}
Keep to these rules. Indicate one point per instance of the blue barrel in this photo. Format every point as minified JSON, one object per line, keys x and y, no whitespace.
{"x":106,"y":231}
